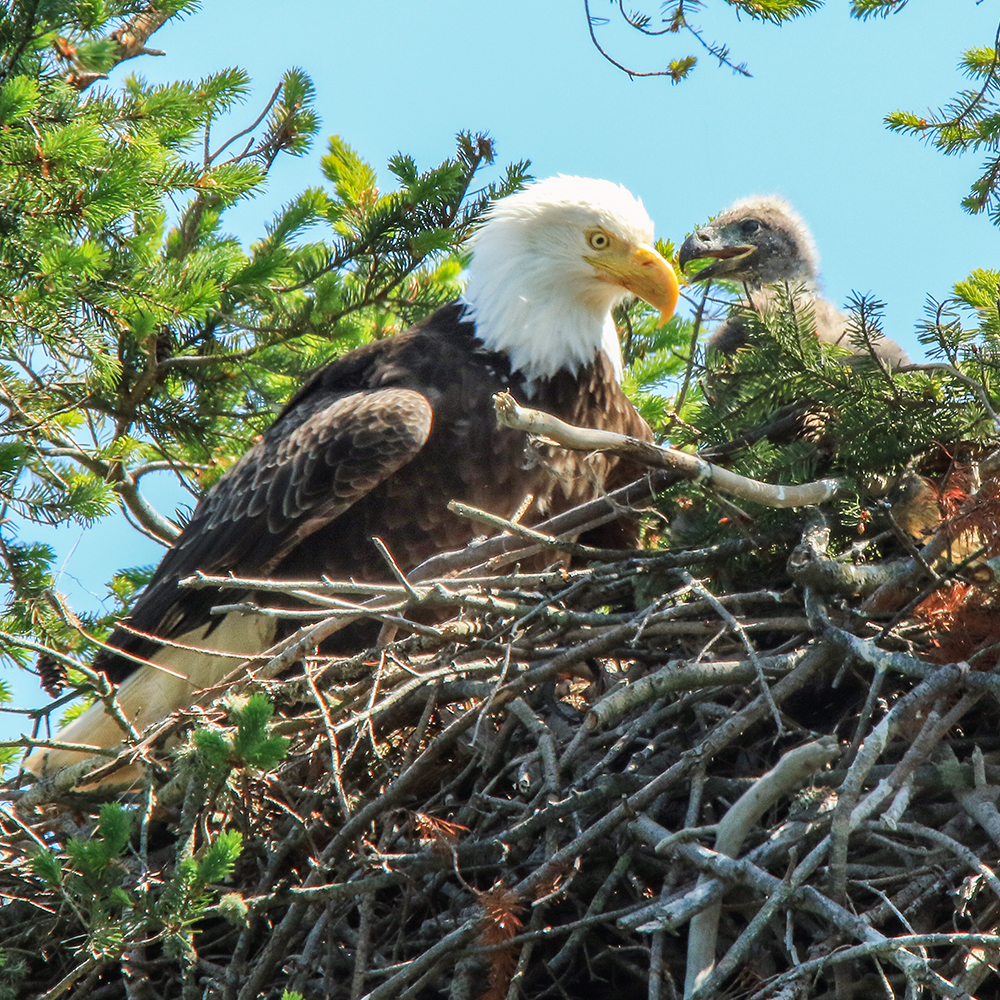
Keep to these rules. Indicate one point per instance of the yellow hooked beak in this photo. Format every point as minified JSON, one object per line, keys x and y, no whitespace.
{"x":641,"y":270}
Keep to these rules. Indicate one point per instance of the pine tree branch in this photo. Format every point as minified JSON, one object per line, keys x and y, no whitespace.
{"x":123,"y":483}
{"x":977,"y":387}
{"x":131,"y":40}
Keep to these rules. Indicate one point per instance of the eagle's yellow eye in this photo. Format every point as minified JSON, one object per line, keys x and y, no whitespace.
{"x":599,"y":240}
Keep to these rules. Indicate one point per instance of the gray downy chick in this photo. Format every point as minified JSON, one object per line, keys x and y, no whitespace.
{"x":761,"y":241}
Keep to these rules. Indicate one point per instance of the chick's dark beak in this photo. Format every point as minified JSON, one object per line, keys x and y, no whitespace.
{"x":707,"y":243}
{"x":692,"y":249}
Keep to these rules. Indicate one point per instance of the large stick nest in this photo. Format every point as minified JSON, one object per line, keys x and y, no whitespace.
{"x":579,"y":782}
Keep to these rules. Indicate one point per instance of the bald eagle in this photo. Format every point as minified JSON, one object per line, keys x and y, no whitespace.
{"x":761,"y":241}
{"x":378,"y":441}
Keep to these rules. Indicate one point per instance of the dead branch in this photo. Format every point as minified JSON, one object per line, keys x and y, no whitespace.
{"x":552,"y":430}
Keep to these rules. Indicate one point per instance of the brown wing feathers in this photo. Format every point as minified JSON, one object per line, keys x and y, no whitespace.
{"x":284,"y":489}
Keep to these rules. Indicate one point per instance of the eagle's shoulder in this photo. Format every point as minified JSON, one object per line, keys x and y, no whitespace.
{"x":428,"y":353}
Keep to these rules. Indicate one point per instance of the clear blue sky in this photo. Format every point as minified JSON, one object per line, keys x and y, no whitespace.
{"x":394,"y":75}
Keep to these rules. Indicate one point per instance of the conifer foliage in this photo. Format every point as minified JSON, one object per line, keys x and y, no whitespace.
{"x":135,"y":334}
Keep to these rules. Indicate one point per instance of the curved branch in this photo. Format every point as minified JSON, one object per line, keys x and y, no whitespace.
{"x":792,"y":771}
{"x":510,"y":414}
{"x":631,"y":73}
{"x":124,"y":484}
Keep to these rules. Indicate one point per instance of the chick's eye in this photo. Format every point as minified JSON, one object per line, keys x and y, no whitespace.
{"x":599,"y":240}
{"x":749,"y":226}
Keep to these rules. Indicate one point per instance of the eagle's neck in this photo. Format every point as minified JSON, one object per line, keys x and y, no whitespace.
{"x":543,"y":329}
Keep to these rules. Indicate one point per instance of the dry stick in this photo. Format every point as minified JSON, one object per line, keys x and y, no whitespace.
{"x":284,"y":654}
{"x":515,"y":989}
{"x":679,"y":909}
{"x":556,"y":431}
{"x":331,"y":738}
{"x":656,"y":945}
{"x":831,"y":576}
{"x":420,"y":730}
{"x":437,"y":597}
{"x":682,"y":675}
{"x":302,"y":643}
{"x":741,"y":948}
{"x":696,"y":630}
{"x":466,"y":979}
{"x":26,"y":741}
{"x":575,"y":802}
{"x":838,"y":970}
{"x":550,"y":932}
{"x":51,"y":788}
{"x":967,"y":856}
{"x":718,"y":739}
{"x":426,"y":961}
{"x":864,"y":717}
{"x":361,"y":721}
{"x":593,"y":513}
{"x":849,"y":812}
{"x":72,"y":976}
{"x":25,"y":829}
{"x":401,"y":691}
{"x":684,"y":904}
{"x":338,"y":847}
{"x":980,"y":804}
{"x":793,"y":770}
{"x":900,"y":777}
{"x":735,"y":626}
{"x":274,"y":953}
{"x":885,"y":947}
{"x":935,"y":729}
{"x":364,"y":947}
{"x":520,"y":708}
{"x":848,"y":815}
{"x":352,"y":890}
{"x":978,"y":962}
{"x":249,"y":935}
{"x":740,"y":871}
{"x":809,"y":566}
{"x":565,"y":954}
{"x":939,"y":682}
{"x":532,"y":535}
{"x":400,"y":787}
{"x":308,"y":960}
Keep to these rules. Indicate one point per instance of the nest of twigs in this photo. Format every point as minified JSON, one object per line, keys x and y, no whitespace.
{"x":595,"y":781}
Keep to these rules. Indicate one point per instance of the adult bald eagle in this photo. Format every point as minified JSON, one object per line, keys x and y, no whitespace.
{"x":761,"y":241}
{"x":378,"y":441}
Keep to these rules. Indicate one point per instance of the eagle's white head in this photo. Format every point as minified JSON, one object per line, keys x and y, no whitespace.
{"x":551,"y":262}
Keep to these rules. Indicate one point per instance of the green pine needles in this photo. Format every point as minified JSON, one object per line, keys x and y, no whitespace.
{"x":136,"y":334}
{"x":104,"y":877}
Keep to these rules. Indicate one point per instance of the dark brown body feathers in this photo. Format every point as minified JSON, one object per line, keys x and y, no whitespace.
{"x":376,"y":443}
